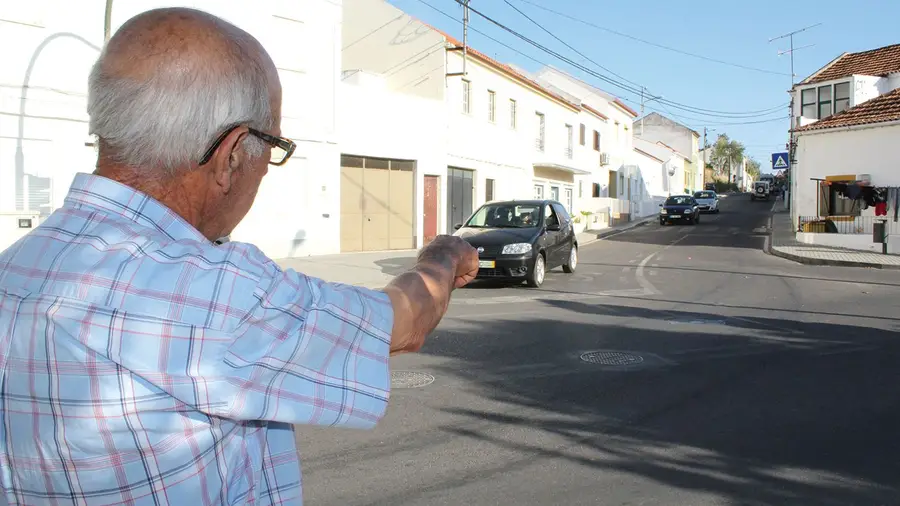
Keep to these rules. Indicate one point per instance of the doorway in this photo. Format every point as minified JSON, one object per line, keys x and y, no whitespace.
{"x":460,"y":187}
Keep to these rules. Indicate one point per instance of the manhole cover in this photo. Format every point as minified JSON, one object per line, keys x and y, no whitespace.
{"x":410,"y":379}
{"x":611,"y":358}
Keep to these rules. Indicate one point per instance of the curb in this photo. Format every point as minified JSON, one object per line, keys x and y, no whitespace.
{"x":774,"y":251}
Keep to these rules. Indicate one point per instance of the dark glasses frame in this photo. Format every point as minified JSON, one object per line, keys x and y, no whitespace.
{"x":276,"y":142}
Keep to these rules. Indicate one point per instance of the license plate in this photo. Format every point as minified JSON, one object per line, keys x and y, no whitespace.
{"x":676,"y":216}
{"x":487,"y":264}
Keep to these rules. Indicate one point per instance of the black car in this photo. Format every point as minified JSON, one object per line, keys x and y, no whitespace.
{"x":521,"y":240}
{"x":679,"y":209}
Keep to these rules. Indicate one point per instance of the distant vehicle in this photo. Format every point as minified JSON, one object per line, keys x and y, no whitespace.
{"x":521,"y":240}
{"x":707,"y":200}
{"x":679,"y":209}
{"x":761,"y":190}
{"x":710,"y":186}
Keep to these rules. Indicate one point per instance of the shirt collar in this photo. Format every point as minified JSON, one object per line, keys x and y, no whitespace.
{"x":89,"y":190}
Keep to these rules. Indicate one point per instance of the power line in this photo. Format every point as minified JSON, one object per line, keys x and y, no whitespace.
{"x":677,"y":105}
{"x":586,"y":57}
{"x":654,"y":44}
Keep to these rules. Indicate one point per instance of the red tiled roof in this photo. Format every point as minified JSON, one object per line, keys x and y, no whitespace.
{"x":515,"y":74}
{"x":878,"y":110}
{"x":875,"y":62}
{"x":593,"y":111}
{"x":623,"y":106}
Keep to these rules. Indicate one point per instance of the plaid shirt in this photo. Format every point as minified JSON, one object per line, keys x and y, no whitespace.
{"x":142,"y":364}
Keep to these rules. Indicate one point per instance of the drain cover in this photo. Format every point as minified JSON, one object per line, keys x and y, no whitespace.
{"x":611,"y":358}
{"x":410,"y":379}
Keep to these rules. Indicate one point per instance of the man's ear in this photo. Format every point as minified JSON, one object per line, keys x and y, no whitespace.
{"x":228,"y":158}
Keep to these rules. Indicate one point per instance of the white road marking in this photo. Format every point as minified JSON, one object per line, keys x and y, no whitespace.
{"x":648,"y":287}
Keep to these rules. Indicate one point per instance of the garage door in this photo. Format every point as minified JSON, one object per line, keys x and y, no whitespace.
{"x":377,"y":204}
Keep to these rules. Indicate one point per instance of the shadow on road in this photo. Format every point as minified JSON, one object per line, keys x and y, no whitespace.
{"x":808,"y":415}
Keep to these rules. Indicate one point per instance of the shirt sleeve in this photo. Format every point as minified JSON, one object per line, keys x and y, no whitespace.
{"x":310,"y":352}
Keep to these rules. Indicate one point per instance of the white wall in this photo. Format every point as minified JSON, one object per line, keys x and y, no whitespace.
{"x":379,"y":38}
{"x":60,"y":40}
{"x":873,"y":150}
{"x":377,"y":122}
{"x":495,"y":149}
{"x":859,"y":242}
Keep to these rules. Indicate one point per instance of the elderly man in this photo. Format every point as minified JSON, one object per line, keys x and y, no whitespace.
{"x":141,"y":362}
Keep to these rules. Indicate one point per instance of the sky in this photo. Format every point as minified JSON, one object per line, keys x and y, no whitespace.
{"x":747,"y":104}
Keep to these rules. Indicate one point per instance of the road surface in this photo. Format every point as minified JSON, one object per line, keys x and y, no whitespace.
{"x":722,"y":376}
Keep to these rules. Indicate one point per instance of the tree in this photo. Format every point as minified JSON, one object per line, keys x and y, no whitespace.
{"x":726,"y":154}
{"x":753,"y":168}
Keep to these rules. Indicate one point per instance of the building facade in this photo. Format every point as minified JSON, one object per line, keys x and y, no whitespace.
{"x":44,"y":138}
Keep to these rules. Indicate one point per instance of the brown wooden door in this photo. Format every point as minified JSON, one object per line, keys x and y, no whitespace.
{"x":430,"y":216}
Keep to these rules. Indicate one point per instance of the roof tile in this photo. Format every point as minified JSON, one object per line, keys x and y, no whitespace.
{"x":875,"y":62}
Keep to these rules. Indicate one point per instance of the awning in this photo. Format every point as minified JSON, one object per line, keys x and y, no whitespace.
{"x":565,"y":168}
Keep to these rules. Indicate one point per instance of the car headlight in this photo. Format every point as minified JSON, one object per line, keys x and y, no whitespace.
{"x":518,"y":248}
{"x":663,"y":211}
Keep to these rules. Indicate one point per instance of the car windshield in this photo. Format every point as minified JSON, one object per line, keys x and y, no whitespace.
{"x":704,"y":195}
{"x":678,"y":201}
{"x":505,"y":216}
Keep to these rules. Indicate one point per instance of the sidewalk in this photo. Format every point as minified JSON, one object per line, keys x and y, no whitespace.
{"x":376,"y":269}
{"x":782,"y":243}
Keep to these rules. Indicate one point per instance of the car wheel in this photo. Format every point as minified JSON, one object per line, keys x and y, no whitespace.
{"x":569,"y":267}
{"x":662,"y":222}
{"x":717,"y":210}
{"x":536,"y":276}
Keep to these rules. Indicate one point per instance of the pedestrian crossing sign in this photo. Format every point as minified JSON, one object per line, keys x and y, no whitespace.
{"x":779,"y":160}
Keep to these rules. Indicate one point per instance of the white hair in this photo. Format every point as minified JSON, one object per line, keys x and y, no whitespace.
{"x":170,"y":119}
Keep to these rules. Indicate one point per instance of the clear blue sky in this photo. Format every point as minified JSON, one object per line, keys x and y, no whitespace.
{"x":737,"y":34}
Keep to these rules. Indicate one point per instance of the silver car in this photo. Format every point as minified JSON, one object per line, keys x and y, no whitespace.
{"x":707,"y":200}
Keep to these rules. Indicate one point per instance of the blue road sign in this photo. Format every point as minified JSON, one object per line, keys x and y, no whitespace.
{"x":779,"y":160}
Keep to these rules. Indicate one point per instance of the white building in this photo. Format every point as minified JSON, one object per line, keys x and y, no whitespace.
{"x":655,"y":127}
{"x":49,"y":47}
{"x":847,"y":126}
{"x":660,"y":167}
{"x":466,"y":129}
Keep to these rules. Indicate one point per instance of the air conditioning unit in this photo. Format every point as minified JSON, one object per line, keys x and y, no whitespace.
{"x":604,"y":159}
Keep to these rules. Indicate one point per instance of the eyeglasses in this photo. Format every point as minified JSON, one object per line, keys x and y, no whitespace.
{"x":282,"y":148}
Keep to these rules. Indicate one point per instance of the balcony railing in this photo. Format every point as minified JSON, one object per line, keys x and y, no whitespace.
{"x":857,"y":225}
{"x":568,"y":153}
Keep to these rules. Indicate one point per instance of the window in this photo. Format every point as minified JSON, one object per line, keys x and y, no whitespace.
{"x":492,"y":106}
{"x":562,"y":214}
{"x":841,"y":97}
{"x":550,"y":218}
{"x":488,"y":190}
{"x":466,"y":97}
{"x":539,"y":191}
{"x":824,"y":101}
{"x":568,"y":203}
{"x":569,"y":141}
{"x":596,"y":140}
{"x":595,"y":190}
{"x":581,"y":135}
{"x":808,"y":103}
{"x":580,"y":189}
{"x":554,"y":193}
{"x":539,"y":140}
{"x":512,"y":113}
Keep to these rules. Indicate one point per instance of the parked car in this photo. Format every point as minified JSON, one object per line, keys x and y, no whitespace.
{"x":679,"y":209}
{"x":707,"y":200}
{"x":521,"y":240}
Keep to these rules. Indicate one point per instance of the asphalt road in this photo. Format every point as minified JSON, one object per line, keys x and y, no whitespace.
{"x":742,"y":379}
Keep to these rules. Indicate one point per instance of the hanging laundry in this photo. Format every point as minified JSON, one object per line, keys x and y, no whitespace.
{"x":896,"y":202}
{"x":881,"y":209}
{"x":851,"y":191}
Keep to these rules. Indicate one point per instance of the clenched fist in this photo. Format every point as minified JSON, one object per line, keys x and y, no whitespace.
{"x":461,"y":255}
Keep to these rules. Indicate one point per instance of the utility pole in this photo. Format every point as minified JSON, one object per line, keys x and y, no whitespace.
{"x":465,"y":46}
{"x":643,"y":101}
{"x":791,"y":51}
